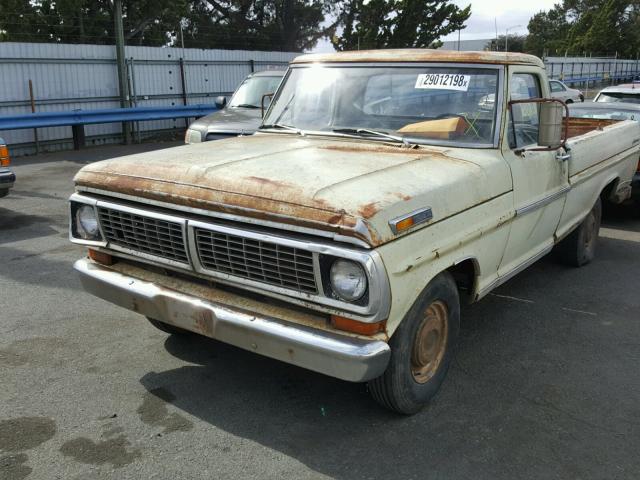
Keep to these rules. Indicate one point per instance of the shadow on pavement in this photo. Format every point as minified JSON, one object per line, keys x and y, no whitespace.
{"x":524,"y":398}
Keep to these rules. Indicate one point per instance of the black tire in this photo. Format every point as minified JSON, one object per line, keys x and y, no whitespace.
{"x":4,"y":193}
{"x":568,"y":102}
{"x":167,"y":328}
{"x":400,"y":388}
{"x":579,"y":247}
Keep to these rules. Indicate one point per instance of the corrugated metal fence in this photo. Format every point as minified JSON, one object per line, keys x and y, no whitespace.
{"x":579,"y":70}
{"x":71,"y":77}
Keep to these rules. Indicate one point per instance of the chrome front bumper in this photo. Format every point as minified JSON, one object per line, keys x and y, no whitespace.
{"x":7,"y":179}
{"x":340,"y":356}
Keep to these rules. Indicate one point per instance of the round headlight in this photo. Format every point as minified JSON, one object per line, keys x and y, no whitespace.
{"x":87,"y":221}
{"x":348,"y":280}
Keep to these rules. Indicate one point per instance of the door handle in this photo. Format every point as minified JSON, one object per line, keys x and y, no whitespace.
{"x":563,"y":156}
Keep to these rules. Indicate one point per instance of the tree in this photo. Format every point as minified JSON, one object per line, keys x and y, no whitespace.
{"x":146,"y":22}
{"x":291,"y":25}
{"x":240,"y":24}
{"x":578,"y":27}
{"x":396,"y":23}
{"x":547,"y":32}
{"x":516,"y":43}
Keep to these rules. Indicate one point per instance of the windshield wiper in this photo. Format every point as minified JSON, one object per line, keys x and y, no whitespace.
{"x":245,"y":105}
{"x":283,"y":127}
{"x":375,"y":133}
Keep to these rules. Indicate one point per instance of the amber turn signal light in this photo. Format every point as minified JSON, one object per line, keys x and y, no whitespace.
{"x":354,"y":326}
{"x":4,"y":156}
{"x":100,"y":257}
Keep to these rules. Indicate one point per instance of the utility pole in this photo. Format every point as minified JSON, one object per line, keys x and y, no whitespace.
{"x":122,"y":68}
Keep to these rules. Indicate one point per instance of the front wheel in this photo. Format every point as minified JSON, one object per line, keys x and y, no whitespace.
{"x":4,"y":193}
{"x":421,"y":349}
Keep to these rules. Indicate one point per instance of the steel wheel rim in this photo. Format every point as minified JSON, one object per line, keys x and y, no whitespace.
{"x":430,"y":342}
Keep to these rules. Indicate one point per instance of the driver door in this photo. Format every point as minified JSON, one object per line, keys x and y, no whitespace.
{"x":540,"y":181}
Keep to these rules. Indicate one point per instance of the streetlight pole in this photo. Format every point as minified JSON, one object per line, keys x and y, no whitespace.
{"x":506,"y":37}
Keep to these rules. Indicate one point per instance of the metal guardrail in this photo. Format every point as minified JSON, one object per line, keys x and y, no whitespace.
{"x":112,"y":115}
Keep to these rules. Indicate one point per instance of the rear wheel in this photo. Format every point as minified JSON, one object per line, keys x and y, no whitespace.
{"x":167,"y":328}
{"x":4,"y":193}
{"x":421,"y":349}
{"x":579,"y":248}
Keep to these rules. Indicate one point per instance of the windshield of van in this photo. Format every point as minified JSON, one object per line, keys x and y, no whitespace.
{"x":249,"y":94}
{"x":425,"y":104}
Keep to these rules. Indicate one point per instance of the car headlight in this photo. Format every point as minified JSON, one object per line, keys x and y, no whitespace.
{"x":193,"y":136}
{"x":87,"y":223}
{"x":348,"y":280}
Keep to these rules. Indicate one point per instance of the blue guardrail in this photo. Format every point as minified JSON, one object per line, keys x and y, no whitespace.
{"x":87,"y":117}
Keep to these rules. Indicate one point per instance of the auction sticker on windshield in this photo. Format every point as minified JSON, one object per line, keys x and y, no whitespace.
{"x":443,"y":81}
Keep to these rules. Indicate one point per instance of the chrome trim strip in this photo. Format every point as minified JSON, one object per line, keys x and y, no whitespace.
{"x":524,"y":265}
{"x":87,"y":201}
{"x":378,"y":308}
{"x":151,"y":214}
{"x":317,"y":273}
{"x":428,"y":216}
{"x":360,"y":228}
{"x":349,"y":358}
{"x":542,"y":202}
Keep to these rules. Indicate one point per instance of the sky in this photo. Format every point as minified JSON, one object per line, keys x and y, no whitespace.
{"x":507,"y":13}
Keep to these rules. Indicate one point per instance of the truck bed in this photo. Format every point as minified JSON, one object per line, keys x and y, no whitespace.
{"x":580,"y":126}
{"x":596,"y":141}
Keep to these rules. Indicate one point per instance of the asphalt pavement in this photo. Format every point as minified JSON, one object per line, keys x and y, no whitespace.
{"x":545,"y":383}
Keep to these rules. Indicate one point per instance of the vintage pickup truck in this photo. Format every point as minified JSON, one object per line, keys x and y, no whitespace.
{"x":382,"y":190}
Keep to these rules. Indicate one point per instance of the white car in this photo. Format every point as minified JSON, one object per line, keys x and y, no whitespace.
{"x":626,"y":92}
{"x":560,"y":91}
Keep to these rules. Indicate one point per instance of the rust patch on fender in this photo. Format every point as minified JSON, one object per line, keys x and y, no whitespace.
{"x":402,"y":196}
{"x":377,"y":148}
{"x":368,"y":210}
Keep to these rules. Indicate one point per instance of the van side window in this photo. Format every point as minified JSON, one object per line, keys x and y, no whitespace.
{"x":523,"y":130}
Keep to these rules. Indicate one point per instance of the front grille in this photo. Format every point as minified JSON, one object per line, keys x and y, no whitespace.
{"x":256,"y":260}
{"x":144,"y":234}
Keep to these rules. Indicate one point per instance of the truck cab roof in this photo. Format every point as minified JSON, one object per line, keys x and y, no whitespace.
{"x":406,"y":55}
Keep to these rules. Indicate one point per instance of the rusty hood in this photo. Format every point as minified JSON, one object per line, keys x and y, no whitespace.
{"x":350,"y":187}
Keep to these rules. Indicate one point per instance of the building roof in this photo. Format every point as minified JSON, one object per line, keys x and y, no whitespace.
{"x":420,"y":55}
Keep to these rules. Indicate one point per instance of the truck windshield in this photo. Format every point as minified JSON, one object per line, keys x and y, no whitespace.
{"x":447,"y":105}
{"x":249,"y":94}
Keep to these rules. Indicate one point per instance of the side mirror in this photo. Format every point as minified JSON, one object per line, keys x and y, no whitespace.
{"x":221,"y":102}
{"x":551,"y":125}
{"x":262,"y":106}
{"x":553,"y":122}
